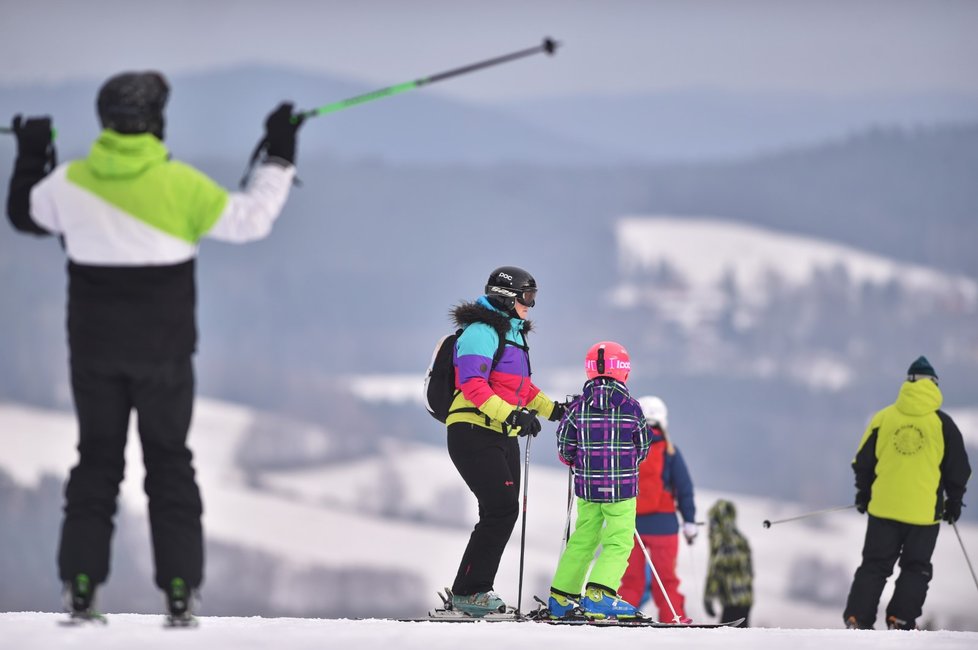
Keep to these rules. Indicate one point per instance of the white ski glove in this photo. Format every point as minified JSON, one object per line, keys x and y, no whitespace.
{"x":690,"y":531}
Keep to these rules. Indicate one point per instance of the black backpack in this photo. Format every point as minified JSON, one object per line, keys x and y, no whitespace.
{"x":439,"y":381}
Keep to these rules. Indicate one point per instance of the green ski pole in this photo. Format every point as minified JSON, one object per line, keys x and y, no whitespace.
{"x":548,"y":46}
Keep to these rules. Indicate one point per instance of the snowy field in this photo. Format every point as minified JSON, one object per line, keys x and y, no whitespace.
{"x":391,"y":502}
{"x":25,"y":631}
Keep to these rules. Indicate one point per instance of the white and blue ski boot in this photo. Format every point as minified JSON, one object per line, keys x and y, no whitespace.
{"x":480,"y":604}
{"x":601,"y":603}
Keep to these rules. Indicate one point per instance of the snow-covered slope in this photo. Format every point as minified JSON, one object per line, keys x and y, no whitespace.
{"x":29,"y":631}
{"x":698,"y":261}
{"x":407,"y":510}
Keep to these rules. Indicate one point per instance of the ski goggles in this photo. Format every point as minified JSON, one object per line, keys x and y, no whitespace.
{"x":527,"y":298}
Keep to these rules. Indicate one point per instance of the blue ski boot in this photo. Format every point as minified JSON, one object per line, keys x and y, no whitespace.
{"x":560,"y":606}
{"x":602,"y":603}
{"x":480,"y":604}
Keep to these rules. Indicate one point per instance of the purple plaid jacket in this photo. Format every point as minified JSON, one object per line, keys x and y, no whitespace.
{"x":603,"y":436}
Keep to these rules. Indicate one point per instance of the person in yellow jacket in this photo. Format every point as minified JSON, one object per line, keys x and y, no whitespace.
{"x":911,"y":471}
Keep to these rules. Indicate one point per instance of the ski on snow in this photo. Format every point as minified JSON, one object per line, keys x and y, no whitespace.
{"x":447,"y":614}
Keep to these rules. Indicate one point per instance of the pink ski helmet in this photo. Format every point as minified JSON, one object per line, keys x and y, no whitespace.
{"x":607,"y":359}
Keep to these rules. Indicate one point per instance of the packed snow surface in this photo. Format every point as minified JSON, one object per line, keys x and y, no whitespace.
{"x":127,"y":631}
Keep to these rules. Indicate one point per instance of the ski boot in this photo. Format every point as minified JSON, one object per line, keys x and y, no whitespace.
{"x":559,"y":605}
{"x":601,"y":603}
{"x":179,"y":605}
{"x":480,"y":604}
{"x":852,"y":623}
{"x":894,"y":623}
{"x":80,"y":600}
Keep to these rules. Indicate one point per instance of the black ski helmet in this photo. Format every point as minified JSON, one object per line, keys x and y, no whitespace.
{"x":507,"y":284}
{"x":133,"y":102}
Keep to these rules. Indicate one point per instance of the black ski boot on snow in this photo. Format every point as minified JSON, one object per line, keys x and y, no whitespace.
{"x":80,"y":600}
{"x":179,"y":604}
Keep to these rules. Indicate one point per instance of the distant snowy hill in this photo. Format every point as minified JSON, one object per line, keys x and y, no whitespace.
{"x":703,"y":260}
{"x":400,"y":518}
{"x":734,"y":288}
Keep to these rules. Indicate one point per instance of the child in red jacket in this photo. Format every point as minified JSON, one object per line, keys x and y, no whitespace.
{"x":664,"y":485}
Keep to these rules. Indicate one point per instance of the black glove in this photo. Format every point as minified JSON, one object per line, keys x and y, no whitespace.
{"x":708,"y":608}
{"x":862,"y":501}
{"x":952,"y":510}
{"x":280,"y":132}
{"x":34,"y":142}
{"x":558,"y":412}
{"x":526,"y":420}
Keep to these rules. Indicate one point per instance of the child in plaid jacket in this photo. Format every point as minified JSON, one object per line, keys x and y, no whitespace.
{"x":603,"y":437}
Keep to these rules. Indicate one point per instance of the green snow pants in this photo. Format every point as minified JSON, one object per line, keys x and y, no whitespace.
{"x":612,"y":525}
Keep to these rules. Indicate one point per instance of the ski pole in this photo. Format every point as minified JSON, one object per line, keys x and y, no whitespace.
{"x":768,"y":523}
{"x":570,"y":506}
{"x":526,"y":481}
{"x":548,"y":46}
{"x":648,"y":559}
{"x":954,"y":525}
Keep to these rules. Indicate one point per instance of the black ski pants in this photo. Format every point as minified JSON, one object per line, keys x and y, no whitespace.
{"x":886,"y":541}
{"x":162,"y":395}
{"x":489,"y":463}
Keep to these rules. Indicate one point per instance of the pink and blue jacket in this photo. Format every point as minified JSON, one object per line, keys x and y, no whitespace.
{"x":486,"y":395}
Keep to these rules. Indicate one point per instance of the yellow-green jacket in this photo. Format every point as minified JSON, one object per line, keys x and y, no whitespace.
{"x":911,"y":457}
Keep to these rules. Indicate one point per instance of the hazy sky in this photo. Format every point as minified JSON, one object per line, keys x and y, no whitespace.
{"x":612,"y":46}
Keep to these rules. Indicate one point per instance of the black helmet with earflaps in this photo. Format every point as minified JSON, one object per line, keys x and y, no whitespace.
{"x":133,"y":102}
{"x":509,"y":284}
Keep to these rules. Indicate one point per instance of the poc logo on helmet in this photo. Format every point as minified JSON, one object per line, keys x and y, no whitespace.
{"x":505,"y":276}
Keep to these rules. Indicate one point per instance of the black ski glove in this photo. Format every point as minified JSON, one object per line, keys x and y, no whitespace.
{"x":35,"y":146}
{"x":557,"y":413}
{"x":708,"y":608}
{"x":280,"y":132}
{"x":862,"y":501}
{"x":526,"y":420}
{"x":952,"y":510}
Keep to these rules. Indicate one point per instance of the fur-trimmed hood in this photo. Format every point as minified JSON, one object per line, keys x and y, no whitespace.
{"x":479,"y":311}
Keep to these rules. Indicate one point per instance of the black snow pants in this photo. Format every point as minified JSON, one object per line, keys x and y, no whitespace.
{"x":887,"y":540}
{"x":162,"y":394}
{"x":489,"y":463}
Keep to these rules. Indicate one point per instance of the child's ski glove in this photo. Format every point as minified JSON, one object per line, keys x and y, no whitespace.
{"x":690,"y":531}
{"x":557,"y":413}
